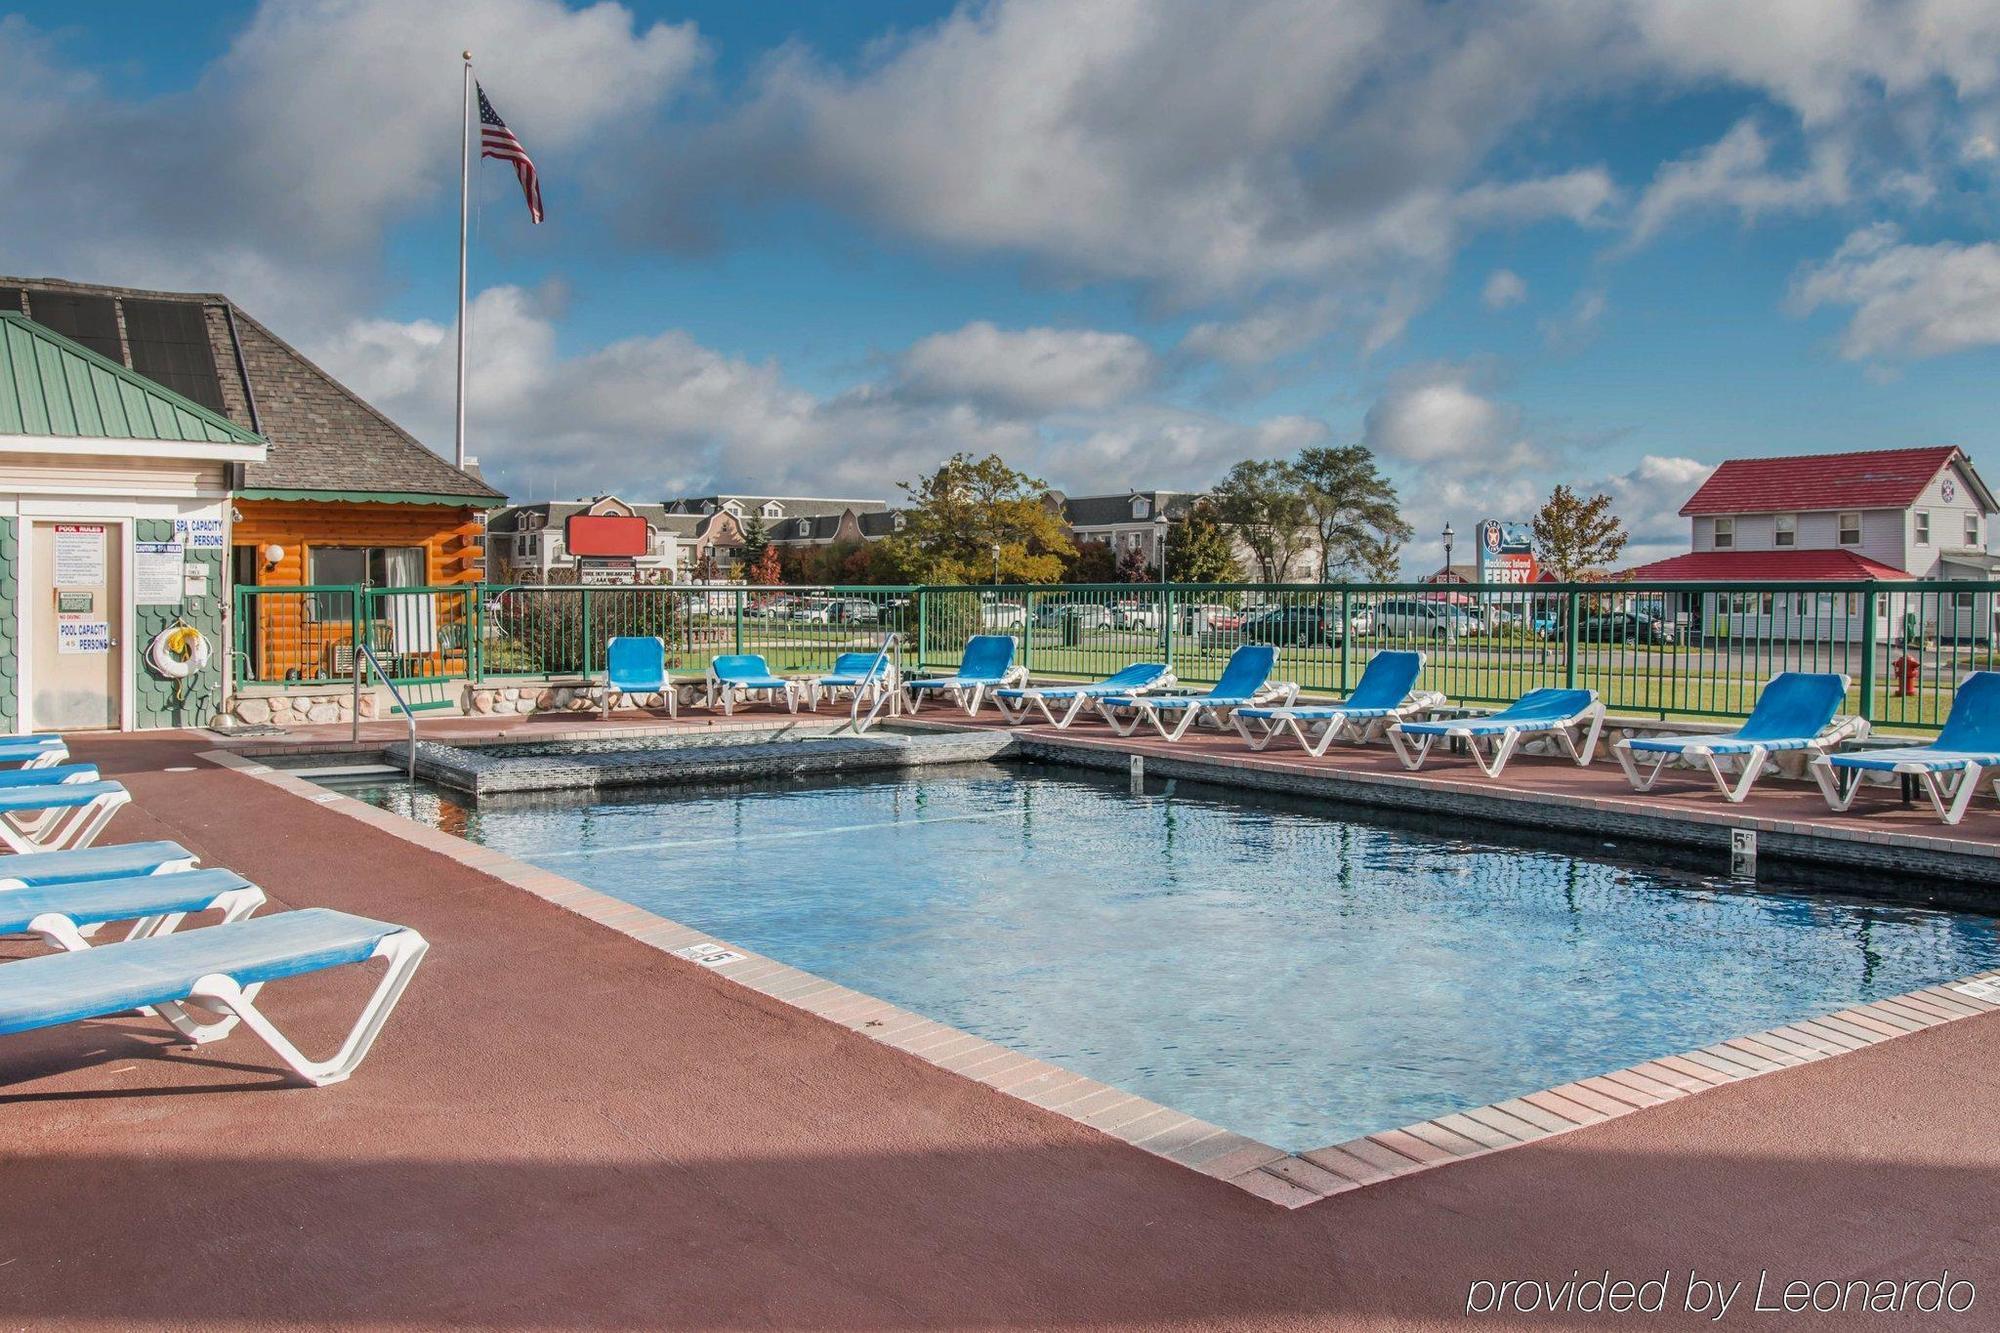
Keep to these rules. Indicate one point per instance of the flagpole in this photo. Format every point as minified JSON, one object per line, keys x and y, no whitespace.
{"x":464,"y":211}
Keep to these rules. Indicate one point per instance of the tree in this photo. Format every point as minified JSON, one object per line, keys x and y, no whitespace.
{"x":1094,"y":562}
{"x":1133,"y":567}
{"x":1199,"y":549}
{"x":765,"y":567}
{"x":756,"y":541}
{"x":1351,"y":507}
{"x":1260,"y":501}
{"x":959,"y":514}
{"x":1576,"y":538}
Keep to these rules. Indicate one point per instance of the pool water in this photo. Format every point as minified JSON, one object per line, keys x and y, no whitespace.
{"x":1273,"y":966}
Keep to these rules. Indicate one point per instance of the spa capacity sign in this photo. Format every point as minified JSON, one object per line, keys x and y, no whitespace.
{"x":199,"y":534}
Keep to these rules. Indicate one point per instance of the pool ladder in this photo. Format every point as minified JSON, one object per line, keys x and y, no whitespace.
{"x":365,"y":654}
{"x":889,"y":693}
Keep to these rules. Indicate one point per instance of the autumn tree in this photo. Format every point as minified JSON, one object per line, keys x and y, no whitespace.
{"x":1261,"y":503}
{"x":765,"y":567}
{"x":1576,"y":538}
{"x":1133,"y":567}
{"x":1351,"y":509}
{"x":960,"y":513}
{"x":1199,"y":549}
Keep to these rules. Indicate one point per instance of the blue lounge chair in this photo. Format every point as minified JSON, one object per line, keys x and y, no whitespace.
{"x":1017,"y":704}
{"x":1949,"y":771}
{"x":35,"y":824}
{"x":1796,"y":711}
{"x":856,"y":674}
{"x":987,"y":664}
{"x":636,"y":664}
{"x":203,"y":982}
{"x":33,"y":751}
{"x":113,"y":862}
{"x":1564,"y":714}
{"x":67,"y":814}
{"x":741,"y":677}
{"x":1246,"y":682}
{"x":65,"y":914}
{"x":1386,"y":693}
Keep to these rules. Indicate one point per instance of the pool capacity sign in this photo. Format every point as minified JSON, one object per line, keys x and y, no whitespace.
{"x":1506,"y":552}
{"x":80,"y":576}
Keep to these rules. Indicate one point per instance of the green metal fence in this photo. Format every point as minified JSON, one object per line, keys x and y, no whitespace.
{"x":1660,"y":649}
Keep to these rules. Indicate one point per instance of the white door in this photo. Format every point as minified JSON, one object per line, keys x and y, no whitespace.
{"x":75,"y":617}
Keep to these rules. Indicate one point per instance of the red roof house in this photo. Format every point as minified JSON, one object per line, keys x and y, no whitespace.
{"x":1876,"y":514}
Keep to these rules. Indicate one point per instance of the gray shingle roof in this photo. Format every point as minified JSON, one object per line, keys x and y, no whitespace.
{"x":323,"y":436}
{"x":1090,"y":511}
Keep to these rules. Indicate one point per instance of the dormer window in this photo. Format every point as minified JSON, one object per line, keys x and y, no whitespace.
{"x":772,"y":509}
{"x":735,"y":510}
{"x":896,"y":522}
{"x":805,"y":527}
{"x":1141,"y":507}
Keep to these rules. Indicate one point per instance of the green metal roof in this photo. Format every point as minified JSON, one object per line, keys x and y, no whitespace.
{"x":374,"y":497}
{"x":52,"y":386}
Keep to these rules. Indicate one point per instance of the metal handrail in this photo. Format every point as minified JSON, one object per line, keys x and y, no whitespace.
{"x":888,"y":690}
{"x":364,"y":653}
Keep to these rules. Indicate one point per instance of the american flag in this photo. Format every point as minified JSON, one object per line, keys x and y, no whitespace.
{"x":496,"y":140}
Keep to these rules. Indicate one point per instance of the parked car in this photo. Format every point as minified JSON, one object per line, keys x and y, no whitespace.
{"x":1135,"y":615}
{"x":1002,"y":615}
{"x":812,"y":611}
{"x":1204,"y":617}
{"x":1422,"y":618}
{"x":1298,"y":624}
{"x":1625,"y":627}
{"x":1084,"y":615}
{"x":854,"y":611}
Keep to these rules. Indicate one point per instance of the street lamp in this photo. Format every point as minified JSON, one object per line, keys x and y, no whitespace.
{"x":1448,"y":535}
{"x":1161,"y":525}
{"x":996,"y":564}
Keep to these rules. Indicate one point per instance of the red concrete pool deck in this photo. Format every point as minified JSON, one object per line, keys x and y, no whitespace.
{"x":565,"y":1127}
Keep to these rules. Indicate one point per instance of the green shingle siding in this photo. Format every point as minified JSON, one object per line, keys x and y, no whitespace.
{"x":153,"y":702}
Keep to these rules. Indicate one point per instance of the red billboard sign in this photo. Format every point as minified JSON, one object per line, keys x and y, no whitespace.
{"x":605,"y":535}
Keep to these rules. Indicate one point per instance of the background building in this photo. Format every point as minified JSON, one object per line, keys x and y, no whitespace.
{"x":526,"y":543}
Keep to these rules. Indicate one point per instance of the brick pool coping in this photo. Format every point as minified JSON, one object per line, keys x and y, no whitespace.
{"x":1290,"y":1180}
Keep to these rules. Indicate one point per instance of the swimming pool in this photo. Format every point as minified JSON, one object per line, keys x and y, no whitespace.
{"x":1292,"y":972}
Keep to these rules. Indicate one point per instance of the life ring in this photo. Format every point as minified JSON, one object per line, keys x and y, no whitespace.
{"x":178,"y":652}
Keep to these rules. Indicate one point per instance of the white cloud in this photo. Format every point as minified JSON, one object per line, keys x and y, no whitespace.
{"x":1270,"y":330}
{"x":1435,"y":416}
{"x":1503,"y":288}
{"x":276,"y":175}
{"x":1909,"y":301}
{"x":1734,"y":173}
{"x":1647,"y":499}
{"x":1029,"y":371}
{"x":662,"y":414}
{"x":1574,"y":326}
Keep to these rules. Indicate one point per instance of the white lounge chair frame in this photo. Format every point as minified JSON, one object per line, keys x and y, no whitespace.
{"x":727,"y":694}
{"x":968,"y":695}
{"x":73,"y":826}
{"x":1317,"y":735}
{"x":216,"y":1004}
{"x":1142,"y":710}
{"x":1034,"y":700}
{"x":1949,"y":790}
{"x":62,"y":931}
{"x":1751,"y":761}
{"x":1590,"y":722}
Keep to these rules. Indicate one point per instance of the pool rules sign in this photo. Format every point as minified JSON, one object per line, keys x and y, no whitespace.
{"x":82,"y":626}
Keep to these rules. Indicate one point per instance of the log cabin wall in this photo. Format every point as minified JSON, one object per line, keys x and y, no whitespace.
{"x":305,"y":637}
{"x":449,"y":535}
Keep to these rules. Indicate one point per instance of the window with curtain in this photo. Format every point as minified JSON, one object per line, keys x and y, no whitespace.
{"x":383,"y":566}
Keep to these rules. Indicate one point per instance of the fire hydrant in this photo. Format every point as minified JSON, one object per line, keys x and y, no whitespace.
{"x":1907,"y":669}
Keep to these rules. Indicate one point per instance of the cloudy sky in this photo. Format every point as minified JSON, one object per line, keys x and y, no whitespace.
{"x":812,"y":249}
